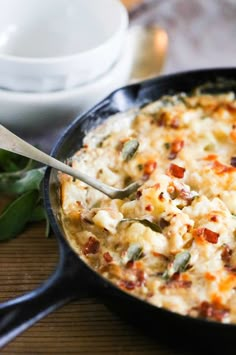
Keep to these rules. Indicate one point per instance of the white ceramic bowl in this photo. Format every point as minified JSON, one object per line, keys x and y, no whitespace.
{"x":38,"y":111}
{"x":48,"y":45}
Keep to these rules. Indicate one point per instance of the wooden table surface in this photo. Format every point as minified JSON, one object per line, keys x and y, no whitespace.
{"x":87,"y":326}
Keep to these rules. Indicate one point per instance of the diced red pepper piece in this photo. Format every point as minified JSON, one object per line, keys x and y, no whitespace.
{"x":149,"y":167}
{"x":176,"y":171}
{"x":176,"y":147}
{"x":129,"y":285}
{"x":226,"y":254}
{"x":92,"y":246}
{"x":213,"y":310}
{"x":233,"y":161}
{"x":149,"y":208}
{"x":208,"y":235}
{"x":107,"y":257}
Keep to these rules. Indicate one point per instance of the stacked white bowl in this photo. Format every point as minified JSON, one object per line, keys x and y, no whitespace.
{"x":59,"y":57}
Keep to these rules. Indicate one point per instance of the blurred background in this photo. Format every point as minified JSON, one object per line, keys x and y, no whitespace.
{"x":201,"y":32}
{"x":191,"y":34}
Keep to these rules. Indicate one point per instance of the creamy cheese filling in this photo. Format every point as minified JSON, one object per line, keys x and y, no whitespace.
{"x":173,"y":243}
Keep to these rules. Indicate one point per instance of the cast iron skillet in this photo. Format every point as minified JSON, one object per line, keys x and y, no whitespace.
{"x":71,"y":272}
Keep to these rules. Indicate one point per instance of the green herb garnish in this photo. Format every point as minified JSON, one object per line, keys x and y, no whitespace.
{"x":179,"y":264}
{"x":154,"y":226}
{"x":21,"y":178}
{"x":140,"y":167}
{"x":129,"y":149}
{"x":134,"y":252}
{"x":16,"y":215}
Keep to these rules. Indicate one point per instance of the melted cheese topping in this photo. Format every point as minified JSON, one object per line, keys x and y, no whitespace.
{"x":173,"y":243}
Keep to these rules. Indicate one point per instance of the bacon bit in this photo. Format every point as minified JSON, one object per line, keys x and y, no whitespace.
{"x":136,"y":265}
{"x":149,"y":167}
{"x":231,"y":269}
{"x":213,"y":310}
{"x":161,"y":196}
{"x":176,"y":147}
{"x":176,"y":171}
{"x":138,"y":194}
{"x":214,"y":218}
{"x":220,"y":168}
{"x":149,"y":208}
{"x":130,"y":264}
{"x":233,"y":162}
{"x":175,"y":276}
{"x":163,"y":223}
{"x":140,"y":277}
{"x":207,"y":234}
{"x":210,"y":236}
{"x":162,"y":119}
{"x":85,"y":146}
{"x":107,"y":257}
{"x":226,"y":254}
{"x":129,"y":285}
{"x":178,"y":284}
{"x":167,"y":119}
{"x":209,"y":276}
{"x":91,"y":247}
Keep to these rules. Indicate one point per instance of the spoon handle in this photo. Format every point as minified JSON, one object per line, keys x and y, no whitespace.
{"x":9,"y":141}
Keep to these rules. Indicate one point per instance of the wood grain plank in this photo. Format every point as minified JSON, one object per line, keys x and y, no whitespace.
{"x":83,"y":327}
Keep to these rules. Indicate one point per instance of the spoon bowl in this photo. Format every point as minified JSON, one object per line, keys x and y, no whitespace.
{"x":149,"y":49}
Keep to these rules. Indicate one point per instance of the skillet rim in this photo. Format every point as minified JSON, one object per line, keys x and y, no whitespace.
{"x":64,"y":245}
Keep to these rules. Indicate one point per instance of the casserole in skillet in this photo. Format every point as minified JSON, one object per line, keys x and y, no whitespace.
{"x":173,"y":242}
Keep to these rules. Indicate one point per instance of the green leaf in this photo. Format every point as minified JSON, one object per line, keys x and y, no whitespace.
{"x":11,"y":162}
{"x":17,"y":214}
{"x":38,"y":214}
{"x":179,"y":264}
{"x":30,"y":180}
{"x":154,"y":226}
{"x":129,"y":149}
{"x":134,"y":252}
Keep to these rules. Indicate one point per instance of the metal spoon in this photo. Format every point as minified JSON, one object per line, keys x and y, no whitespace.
{"x":12,"y":143}
{"x":149,"y":48}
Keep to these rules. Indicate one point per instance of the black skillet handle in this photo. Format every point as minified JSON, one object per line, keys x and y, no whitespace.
{"x":22,"y":312}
